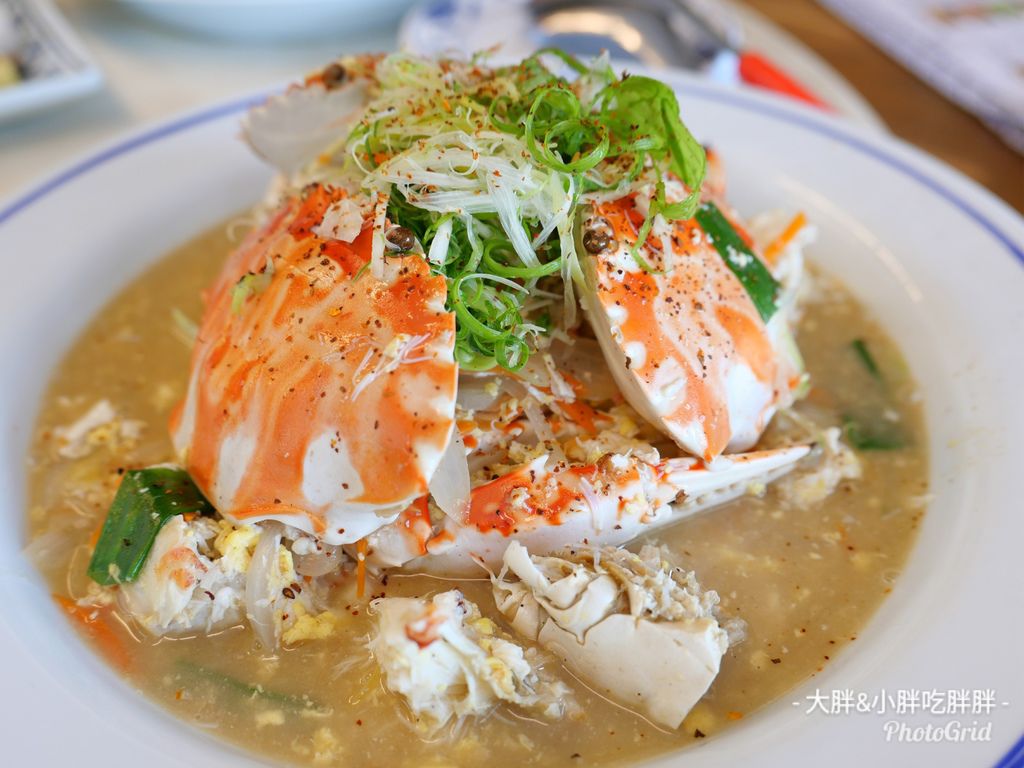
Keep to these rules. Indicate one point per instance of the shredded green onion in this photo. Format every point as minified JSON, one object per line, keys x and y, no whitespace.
{"x":503,"y":158}
{"x":251,"y":284}
{"x":860,"y":348}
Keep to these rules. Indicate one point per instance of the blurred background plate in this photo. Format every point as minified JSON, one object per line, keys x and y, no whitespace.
{"x":270,"y":19}
{"x":47,"y":64}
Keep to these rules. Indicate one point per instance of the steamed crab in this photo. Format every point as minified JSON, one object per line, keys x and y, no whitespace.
{"x":326,"y":391}
{"x":323,"y":393}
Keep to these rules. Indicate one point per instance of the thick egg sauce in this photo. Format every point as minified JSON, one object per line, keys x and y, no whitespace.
{"x":804,"y":579}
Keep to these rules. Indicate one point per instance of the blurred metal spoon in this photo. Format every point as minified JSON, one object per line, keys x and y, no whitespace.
{"x":674,"y":33}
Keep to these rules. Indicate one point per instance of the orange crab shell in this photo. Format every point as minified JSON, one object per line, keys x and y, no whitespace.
{"x":326,"y":397}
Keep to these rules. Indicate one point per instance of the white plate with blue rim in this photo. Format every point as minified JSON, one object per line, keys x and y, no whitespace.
{"x":936,"y":258}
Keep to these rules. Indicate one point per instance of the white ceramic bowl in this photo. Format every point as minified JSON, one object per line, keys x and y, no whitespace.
{"x":935,"y":257}
{"x":270,"y":19}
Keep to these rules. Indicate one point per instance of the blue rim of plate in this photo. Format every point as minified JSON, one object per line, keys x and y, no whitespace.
{"x":1014,"y":757}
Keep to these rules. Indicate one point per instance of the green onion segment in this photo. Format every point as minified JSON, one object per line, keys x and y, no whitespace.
{"x":146,"y":499}
{"x":748,"y":268}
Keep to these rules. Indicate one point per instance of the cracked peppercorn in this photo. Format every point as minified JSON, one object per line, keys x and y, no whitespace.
{"x":401,"y":238}
{"x":334,"y":75}
{"x":596,"y":241}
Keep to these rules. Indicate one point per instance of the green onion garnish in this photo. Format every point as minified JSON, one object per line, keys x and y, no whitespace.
{"x":750,"y":270}
{"x":235,"y":686}
{"x":503,"y":158}
{"x":860,"y":347}
{"x":871,"y":438}
{"x":145,"y":500}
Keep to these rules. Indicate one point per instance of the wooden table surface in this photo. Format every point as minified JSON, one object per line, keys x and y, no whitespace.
{"x":912,"y":110}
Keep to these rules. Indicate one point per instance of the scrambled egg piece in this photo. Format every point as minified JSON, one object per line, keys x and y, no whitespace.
{"x":98,"y":426}
{"x":309,"y":626}
{"x":235,"y":545}
{"x":269,"y":717}
{"x":200,"y":577}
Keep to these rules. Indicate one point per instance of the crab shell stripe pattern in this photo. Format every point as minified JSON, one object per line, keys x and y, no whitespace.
{"x":325,"y":398}
{"x":685,"y":342}
{"x":610,"y":502}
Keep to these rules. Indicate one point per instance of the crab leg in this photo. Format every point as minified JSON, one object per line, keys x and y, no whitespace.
{"x":547,"y":507}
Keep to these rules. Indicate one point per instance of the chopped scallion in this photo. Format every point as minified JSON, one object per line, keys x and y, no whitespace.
{"x":247,"y":690}
{"x":864,"y":438}
{"x":146,"y":499}
{"x":748,"y":268}
{"x":860,"y":347}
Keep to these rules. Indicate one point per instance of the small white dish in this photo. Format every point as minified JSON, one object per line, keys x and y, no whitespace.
{"x":937,"y":259}
{"x":269,"y":19}
{"x":57,"y":67}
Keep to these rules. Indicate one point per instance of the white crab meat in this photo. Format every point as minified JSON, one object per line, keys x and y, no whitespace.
{"x":320,"y":395}
{"x":684,"y":340}
{"x":100,"y":425}
{"x":184,"y":585}
{"x":447,"y":661}
{"x":281,"y":605}
{"x":203,"y":575}
{"x":546,"y":505}
{"x":630,"y":626}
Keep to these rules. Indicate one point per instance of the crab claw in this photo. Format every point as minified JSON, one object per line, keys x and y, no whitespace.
{"x":684,"y":340}
{"x":319,"y":395}
{"x":546,"y":507}
{"x":635,"y":629}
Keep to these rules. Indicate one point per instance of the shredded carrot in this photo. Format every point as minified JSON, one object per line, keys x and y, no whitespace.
{"x":361,"y":567}
{"x":98,"y":630}
{"x":572,"y":381}
{"x":95,"y":537}
{"x":776,"y":246}
{"x":734,"y":715}
{"x":582,"y":414}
